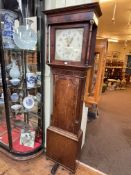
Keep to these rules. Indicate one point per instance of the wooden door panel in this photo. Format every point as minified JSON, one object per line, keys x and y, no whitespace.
{"x":65,"y":102}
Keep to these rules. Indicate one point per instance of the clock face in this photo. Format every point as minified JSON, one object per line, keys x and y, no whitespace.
{"x":68,"y":46}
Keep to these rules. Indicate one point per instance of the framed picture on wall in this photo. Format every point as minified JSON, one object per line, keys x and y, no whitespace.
{"x":115,"y":54}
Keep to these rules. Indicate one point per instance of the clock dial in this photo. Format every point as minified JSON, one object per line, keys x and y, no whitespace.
{"x":68,"y":46}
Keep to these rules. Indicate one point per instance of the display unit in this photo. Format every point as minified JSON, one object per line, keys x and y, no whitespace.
{"x":21,"y":87}
{"x":114,"y":69}
{"x":96,"y":74}
{"x":71,"y":42}
{"x":127,"y":69}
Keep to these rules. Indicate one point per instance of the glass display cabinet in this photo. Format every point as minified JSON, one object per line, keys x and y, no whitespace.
{"x":96,"y":74}
{"x":21,"y":77}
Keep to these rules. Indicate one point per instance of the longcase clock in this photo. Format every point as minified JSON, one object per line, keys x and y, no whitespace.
{"x":71,"y":43}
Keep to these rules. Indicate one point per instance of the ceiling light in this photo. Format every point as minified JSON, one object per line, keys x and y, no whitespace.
{"x":114,"y":14}
{"x":113,"y":40}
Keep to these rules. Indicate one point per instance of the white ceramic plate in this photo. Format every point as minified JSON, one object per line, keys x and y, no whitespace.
{"x":28,"y":102}
{"x":25,"y":38}
{"x":16,"y":107}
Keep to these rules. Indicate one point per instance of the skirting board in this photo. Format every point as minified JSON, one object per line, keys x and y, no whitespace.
{"x":91,"y":168}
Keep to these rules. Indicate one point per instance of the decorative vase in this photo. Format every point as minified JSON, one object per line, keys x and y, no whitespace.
{"x":7,"y":19}
{"x":14,"y":72}
{"x":30,"y":79}
{"x":25,"y":37}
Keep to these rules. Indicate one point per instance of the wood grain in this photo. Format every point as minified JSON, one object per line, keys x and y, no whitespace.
{"x":68,"y":89}
{"x":64,"y":147}
{"x":69,"y":81}
{"x":37,"y":166}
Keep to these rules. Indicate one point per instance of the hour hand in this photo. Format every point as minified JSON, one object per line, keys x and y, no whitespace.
{"x":71,"y":39}
{"x":68,"y":41}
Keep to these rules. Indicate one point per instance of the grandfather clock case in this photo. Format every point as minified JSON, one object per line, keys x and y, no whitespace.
{"x":71,"y":43}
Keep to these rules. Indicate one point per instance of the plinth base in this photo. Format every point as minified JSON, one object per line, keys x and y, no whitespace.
{"x":63,"y":147}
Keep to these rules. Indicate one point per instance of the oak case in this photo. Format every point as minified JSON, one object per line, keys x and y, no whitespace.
{"x":64,"y":136}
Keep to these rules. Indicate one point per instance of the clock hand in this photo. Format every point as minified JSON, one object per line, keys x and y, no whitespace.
{"x":69,"y":41}
{"x":66,"y":41}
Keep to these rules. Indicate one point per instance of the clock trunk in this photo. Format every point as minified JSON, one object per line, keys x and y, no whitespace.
{"x":70,"y":52}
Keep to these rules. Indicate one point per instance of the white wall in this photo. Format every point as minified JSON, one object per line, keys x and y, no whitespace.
{"x":48,"y":86}
{"x":120,"y":47}
{"x":84,"y":122}
{"x":50,"y":4}
{"x":48,"y":97}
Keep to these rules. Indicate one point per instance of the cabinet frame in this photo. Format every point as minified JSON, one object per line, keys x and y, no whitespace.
{"x":40,"y":51}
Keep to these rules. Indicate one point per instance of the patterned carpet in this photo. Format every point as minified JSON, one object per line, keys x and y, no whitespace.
{"x":108,"y":140}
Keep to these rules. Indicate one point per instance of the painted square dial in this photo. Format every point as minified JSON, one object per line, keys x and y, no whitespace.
{"x":68,"y":44}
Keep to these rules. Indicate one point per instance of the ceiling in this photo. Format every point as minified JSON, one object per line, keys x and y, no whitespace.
{"x":120,"y":29}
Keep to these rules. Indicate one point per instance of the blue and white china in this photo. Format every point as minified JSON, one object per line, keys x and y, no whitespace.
{"x":14,"y":71}
{"x":7,"y":19}
{"x":38,"y":75}
{"x":30,"y":79}
{"x":25,"y":37}
{"x":16,"y":107}
{"x":14,"y":97}
{"x":14,"y":81}
{"x":28,"y":102}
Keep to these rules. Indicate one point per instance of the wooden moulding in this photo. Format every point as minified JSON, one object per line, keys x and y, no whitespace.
{"x":77,"y":13}
{"x":63,"y":147}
